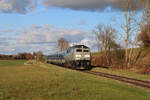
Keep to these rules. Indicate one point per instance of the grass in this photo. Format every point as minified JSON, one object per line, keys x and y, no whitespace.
{"x":125,"y":73}
{"x":11,"y":63}
{"x":49,"y":82}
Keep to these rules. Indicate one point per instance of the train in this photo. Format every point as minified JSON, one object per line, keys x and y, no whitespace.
{"x":76,"y":57}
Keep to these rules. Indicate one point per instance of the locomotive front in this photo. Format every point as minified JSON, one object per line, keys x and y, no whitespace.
{"x":81,"y":57}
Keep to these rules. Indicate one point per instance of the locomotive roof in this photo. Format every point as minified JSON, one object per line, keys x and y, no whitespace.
{"x":79,"y":46}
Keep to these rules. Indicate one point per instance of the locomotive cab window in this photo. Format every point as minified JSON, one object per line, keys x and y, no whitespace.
{"x":86,"y":50}
{"x":79,"y":50}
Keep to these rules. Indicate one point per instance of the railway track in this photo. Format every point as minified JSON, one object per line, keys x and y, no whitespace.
{"x":141,"y":83}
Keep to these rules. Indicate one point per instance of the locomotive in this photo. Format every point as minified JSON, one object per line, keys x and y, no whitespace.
{"x":76,"y":57}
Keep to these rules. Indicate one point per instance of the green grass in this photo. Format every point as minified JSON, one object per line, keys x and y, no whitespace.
{"x":125,"y":73}
{"x":11,"y":63}
{"x":49,"y":82}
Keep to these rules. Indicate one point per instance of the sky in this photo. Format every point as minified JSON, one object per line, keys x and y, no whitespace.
{"x":33,"y":25}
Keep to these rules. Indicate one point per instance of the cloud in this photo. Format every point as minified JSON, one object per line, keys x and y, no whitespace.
{"x":4,"y":31}
{"x":17,"y":6}
{"x":9,"y":48}
{"x":89,"y":5}
{"x":2,"y":41}
{"x":24,"y":6}
{"x":43,"y":38}
{"x":5,"y":45}
{"x":81,"y":22}
{"x":47,"y":33}
{"x":6,"y":50}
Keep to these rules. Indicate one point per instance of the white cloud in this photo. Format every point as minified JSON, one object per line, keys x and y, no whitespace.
{"x":47,"y":33}
{"x":7,"y":48}
{"x":4,"y":31}
{"x":44,"y":38}
{"x":81,"y":22}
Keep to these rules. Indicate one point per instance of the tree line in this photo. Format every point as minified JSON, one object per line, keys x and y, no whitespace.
{"x":23,"y":56}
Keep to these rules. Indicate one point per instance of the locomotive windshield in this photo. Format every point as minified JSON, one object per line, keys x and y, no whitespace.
{"x":79,"y":50}
{"x":80,"y":46}
{"x":86,"y":50}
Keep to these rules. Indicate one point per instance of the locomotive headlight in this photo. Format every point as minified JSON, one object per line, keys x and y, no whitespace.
{"x":87,"y":56}
{"x":78,"y":55}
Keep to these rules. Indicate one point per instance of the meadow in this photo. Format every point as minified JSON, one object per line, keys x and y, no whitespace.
{"x":11,"y":63}
{"x":49,"y":82}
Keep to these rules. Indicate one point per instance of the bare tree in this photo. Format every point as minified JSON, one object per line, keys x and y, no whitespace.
{"x":106,"y":38}
{"x":62,"y":44}
{"x":144,"y":36}
{"x":144,"y":25}
{"x":146,"y":12}
{"x":129,"y":28}
{"x":38,"y":55}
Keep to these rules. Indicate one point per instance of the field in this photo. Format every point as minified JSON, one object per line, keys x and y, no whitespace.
{"x":11,"y":63}
{"x":49,"y":82}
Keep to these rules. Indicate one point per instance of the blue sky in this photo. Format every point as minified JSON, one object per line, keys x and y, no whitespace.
{"x":48,"y":20}
{"x":57,"y":17}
